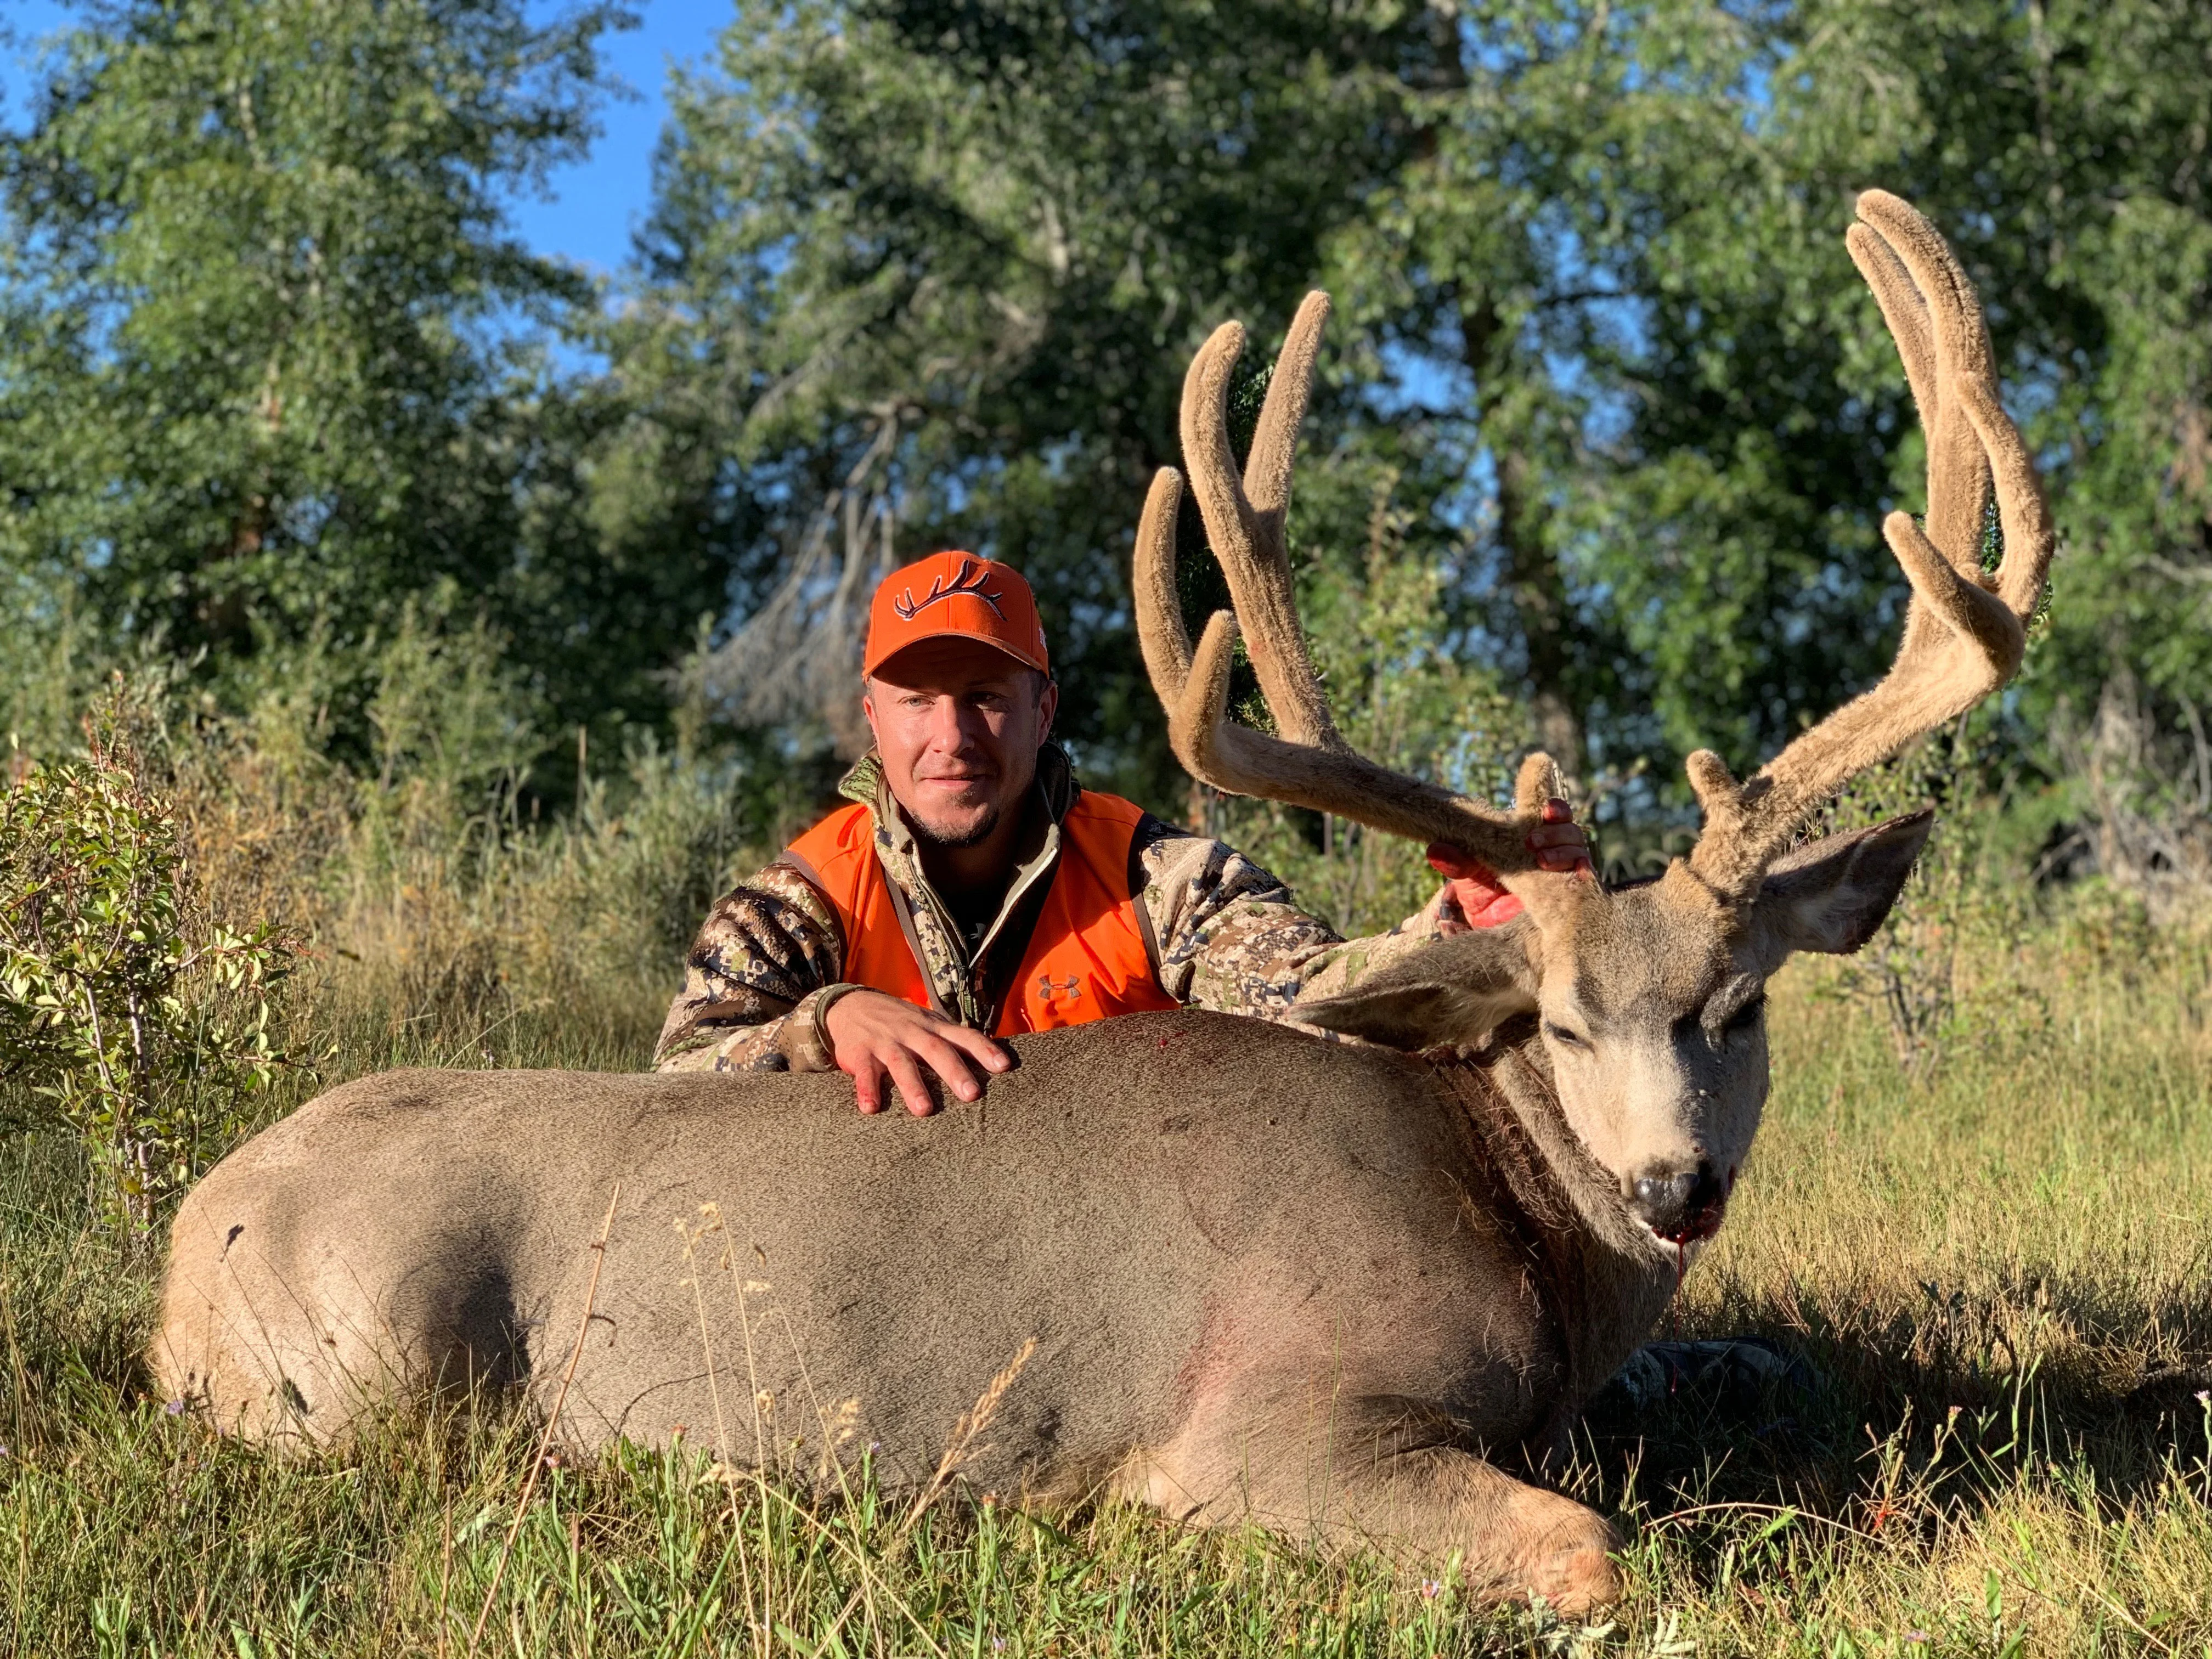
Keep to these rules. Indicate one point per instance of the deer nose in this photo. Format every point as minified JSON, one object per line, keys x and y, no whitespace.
{"x":1678,"y":1203}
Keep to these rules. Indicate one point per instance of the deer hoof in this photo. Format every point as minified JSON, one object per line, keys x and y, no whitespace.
{"x":1566,"y":1563}
{"x":1577,"y":1581}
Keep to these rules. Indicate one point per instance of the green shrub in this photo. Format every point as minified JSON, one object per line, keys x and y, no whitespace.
{"x":130,"y":1015}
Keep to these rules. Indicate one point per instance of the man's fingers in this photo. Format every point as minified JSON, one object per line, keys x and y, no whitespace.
{"x":1447,"y":860}
{"x":868,"y":1084}
{"x":1559,"y":843}
{"x":911,"y":1088}
{"x":985,"y":1052}
{"x":950,"y":1064}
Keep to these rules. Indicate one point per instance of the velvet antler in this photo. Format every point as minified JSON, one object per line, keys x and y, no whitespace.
{"x":1309,"y":764}
{"x":1963,"y":629}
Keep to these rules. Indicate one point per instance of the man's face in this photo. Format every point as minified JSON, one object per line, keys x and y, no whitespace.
{"x":957,"y":723}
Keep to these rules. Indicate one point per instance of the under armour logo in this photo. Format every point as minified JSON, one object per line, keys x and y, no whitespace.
{"x":1049,"y":988}
{"x":968,"y":578}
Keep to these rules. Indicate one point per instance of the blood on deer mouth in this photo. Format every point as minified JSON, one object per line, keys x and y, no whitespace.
{"x":1704,"y":1222}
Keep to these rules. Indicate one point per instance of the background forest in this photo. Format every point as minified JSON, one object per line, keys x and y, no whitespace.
{"x":403,"y":634}
{"x":1608,"y":429}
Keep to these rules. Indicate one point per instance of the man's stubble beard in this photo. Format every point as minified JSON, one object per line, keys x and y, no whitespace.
{"x":929,"y":835}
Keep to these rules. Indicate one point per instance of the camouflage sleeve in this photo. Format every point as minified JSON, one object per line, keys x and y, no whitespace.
{"x":1232,"y":939}
{"x":763,"y":956}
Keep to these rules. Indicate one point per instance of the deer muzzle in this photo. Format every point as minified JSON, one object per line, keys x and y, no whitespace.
{"x":1679,"y":1205}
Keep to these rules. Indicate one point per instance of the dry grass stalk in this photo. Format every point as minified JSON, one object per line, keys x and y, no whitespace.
{"x":973,"y":1421}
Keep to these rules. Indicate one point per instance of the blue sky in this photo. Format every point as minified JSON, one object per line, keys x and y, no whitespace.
{"x":595,"y":206}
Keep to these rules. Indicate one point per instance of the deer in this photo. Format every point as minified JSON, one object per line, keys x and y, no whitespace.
{"x":1351,"y":1282}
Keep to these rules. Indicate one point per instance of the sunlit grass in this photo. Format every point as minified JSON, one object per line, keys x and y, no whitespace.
{"x":1998,"y":1269}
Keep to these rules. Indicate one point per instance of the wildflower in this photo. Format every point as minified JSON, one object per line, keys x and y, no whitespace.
{"x":1916,"y":1636}
{"x":2204,"y":1396}
{"x":173,"y":1409}
{"x":1430,"y":1589}
{"x":997,"y":1644}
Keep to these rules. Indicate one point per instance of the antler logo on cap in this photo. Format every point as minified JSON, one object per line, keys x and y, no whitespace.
{"x":970,"y":579}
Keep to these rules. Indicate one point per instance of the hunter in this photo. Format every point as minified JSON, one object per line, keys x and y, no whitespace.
{"x":973,"y":889}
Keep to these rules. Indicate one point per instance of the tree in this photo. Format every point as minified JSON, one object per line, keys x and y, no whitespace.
{"x":272,"y":360}
{"x":1621,"y":247}
{"x":2070,"y":148}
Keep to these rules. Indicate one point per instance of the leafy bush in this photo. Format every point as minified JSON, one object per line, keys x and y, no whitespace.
{"x":1945,"y":967}
{"x":465,"y":910}
{"x":129,"y":1015}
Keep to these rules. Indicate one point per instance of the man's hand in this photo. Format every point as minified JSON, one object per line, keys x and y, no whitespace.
{"x":1472,"y":898}
{"x":874,"y":1036}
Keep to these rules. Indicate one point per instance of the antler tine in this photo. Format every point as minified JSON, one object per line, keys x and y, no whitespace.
{"x":1160,"y":632}
{"x":1899,"y":253}
{"x":1964,"y":631}
{"x":1963,"y":338}
{"x":1310,"y":765}
{"x":1275,"y":438}
{"x":1245,"y":521}
{"x":1903,"y":310}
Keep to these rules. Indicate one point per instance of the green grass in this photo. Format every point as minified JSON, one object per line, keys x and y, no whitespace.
{"x":1998,"y":1271}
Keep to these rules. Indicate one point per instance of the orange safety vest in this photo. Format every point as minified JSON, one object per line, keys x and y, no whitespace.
{"x":1086,"y":959}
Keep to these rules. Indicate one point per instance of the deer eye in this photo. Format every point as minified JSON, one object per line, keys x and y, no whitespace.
{"x":1560,"y":1033}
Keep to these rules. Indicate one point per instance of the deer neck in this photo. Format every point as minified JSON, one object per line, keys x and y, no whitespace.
{"x":1604,"y":1285}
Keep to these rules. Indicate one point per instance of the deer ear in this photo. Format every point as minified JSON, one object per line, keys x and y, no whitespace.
{"x":1449,"y":991}
{"x":1831,"y":895}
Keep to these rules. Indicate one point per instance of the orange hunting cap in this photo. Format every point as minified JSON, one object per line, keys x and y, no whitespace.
{"x":954,"y":593}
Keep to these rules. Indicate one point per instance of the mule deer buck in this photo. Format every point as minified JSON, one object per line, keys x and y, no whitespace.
{"x":1353,"y":1290}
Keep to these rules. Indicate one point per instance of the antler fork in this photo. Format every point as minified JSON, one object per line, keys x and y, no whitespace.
{"x":1309,"y":764}
{"x":1965,"y":631}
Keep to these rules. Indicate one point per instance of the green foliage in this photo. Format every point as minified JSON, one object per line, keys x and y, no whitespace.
{"x":178,"y":899}
{"x":1595,"y":311}
{"x":1962,"y":908}
{"x":272,"y":361}
{"x":129,"y":1015}
{"x":2062,"y":146}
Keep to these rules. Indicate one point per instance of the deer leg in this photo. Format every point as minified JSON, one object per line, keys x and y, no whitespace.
{"x":1382,"y":1473}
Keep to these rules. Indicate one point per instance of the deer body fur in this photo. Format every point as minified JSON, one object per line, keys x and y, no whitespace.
{"x":1265,"y":1274}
